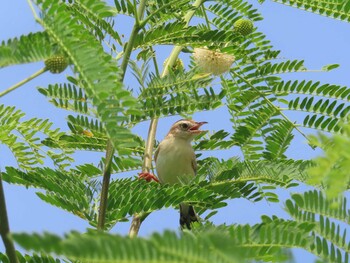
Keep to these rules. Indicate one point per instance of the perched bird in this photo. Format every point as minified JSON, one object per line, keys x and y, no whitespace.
{"x":176,"y":162}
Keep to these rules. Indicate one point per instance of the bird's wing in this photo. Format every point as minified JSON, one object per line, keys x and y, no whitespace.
{"x":194,"y":163}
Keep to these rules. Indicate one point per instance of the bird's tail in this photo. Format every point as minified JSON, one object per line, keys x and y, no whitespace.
{"x":187,"y":216}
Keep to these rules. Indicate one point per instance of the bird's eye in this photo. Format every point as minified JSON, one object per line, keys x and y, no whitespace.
{"x":184,"y":126}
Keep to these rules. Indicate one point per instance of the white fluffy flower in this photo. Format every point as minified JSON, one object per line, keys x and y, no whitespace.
{"x":212,"y":61}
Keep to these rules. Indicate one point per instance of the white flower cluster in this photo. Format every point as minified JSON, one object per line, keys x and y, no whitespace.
{"x":211,"y":61}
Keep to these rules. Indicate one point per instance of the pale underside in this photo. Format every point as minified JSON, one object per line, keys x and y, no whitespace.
{"x":175,"y":161}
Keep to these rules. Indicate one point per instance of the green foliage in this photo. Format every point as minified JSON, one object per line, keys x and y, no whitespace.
{"x":23,"y":138}
{"x":161,"y":11}
{"x":70,"y":190}
{"x":67,"y":96}
{"x":113,"y":248}
{"x":315,"y":202}
{"x":329,"y":236}
{"x":212,"y":141}
{"x":97,"y":73}
{"x":331,"y":8}
{"x":77,"y":192}
{"x":238,"y":243}
{"x":93,"y":15}
{"x":327,"y":111}
{"x":177,"y":94}
{"x":125,"y":7}
{"x":180,"y":34}
{"x":26,"y":49}
{"x":228,"y":12}
{"x":280,"y":173}
{"x":256,"y":96}
{"x":35,"y":258}
{"x":86,"y":141}
{"x":228,"y":180}
{"x":278,"y":140}
{"x":332,"y":169}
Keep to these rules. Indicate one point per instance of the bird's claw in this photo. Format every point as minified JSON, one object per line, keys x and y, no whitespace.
{"x":148,"y":177}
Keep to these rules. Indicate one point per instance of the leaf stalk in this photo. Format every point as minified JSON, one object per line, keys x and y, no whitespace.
{"x":19,"y":84}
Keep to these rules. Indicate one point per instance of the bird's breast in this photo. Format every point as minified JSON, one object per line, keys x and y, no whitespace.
{"x":174,"y":162}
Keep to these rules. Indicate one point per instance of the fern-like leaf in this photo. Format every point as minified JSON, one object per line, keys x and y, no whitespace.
{"x":332,"y":170}
{"x":179,"y":34}
{"x":176,"y":94}
{"x":315,"y":202}
{"x":35,"y":258}
{"x":240,"y":243}
{"x":67,"y":96}
{"x":94,"y":16}
{"x":329,"y":237}
{"x":278,"y":141}
{"x":26,"y":49}
{"x":161,"y":11}
{"x":331,"y":8}
{"x":66,"y":190}
{"x":23,"y":139}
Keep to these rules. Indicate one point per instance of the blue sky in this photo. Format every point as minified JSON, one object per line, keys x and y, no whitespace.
{"x":298,"y":34}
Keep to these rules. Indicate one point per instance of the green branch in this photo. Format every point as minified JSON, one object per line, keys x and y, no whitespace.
{"x":19,"y":84}
{"x":4,"y":227}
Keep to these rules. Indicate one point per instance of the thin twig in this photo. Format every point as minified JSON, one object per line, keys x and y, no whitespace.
{"x":19,"y":84}
{"x":147,"y":162}
{"x":4,"y":227}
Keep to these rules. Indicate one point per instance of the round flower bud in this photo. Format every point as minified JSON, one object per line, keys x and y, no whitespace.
{"x":243,"y":26}
{"x":56,"y":64}
{"x":213,"y":62}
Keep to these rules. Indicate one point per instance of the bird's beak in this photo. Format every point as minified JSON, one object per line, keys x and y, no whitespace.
{"x":195,"y":128}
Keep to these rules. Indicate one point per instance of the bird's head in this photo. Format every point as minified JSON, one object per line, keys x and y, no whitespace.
{"x":186,"y":129}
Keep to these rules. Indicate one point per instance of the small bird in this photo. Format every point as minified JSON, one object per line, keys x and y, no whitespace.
{"x":176,"y":162}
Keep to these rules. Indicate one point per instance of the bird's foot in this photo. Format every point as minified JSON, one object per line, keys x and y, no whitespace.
{"x":148,"y":177}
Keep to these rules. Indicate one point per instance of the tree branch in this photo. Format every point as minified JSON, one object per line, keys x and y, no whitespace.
{"x":4,"y":227}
